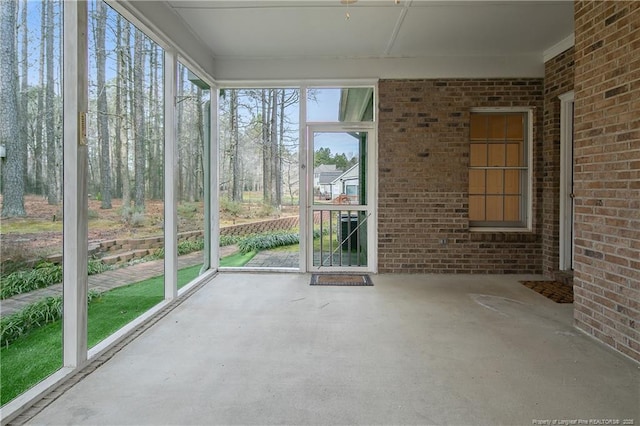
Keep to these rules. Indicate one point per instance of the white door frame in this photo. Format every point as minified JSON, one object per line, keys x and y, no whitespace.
{"x":566,"y":182}
{"x":372,"y":193}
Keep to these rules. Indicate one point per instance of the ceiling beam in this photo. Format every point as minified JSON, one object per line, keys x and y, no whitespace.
{"x":396,"y":29}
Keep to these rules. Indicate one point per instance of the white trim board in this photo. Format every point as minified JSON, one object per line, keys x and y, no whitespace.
{"x":564,"y":44}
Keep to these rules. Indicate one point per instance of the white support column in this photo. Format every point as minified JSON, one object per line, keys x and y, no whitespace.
{"x":566,"y":182}
{"x":214,"y":220}
{"x":170,"y":176}
{"x":75,"y":224}
{"x":306,"y":226}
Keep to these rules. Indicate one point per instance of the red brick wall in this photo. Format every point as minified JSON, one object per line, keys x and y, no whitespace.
{"x":607,"y":172}
{"x":559,"y":74}
{"x":423,"y":178}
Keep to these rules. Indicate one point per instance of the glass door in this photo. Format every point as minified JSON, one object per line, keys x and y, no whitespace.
{"x":340,"y":220}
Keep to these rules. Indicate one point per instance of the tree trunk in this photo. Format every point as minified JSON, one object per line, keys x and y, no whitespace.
{"x":235,"y":148}
{"x":159,"y":139}
{"x":138,"y":100}
{"x":103,"y":121}
{"x":266,"y":161}
{"x":39,"y":143}
{"x":280,"y":151}
{"x":52,"y":167}
{"x":118,"y":111}
{"x":127,"y":91}
{"x":13,"y":173}
{"x":155,"y":131}
{"x":273,"y":148}
{"x":24,"y":99}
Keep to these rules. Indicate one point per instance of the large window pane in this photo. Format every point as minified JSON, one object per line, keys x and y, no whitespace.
{"x":126,"y":178}
{"x":353,"y":104}
{"x":259,"y":184}
{"x":192,"y":133}
{"x":32,"y":194}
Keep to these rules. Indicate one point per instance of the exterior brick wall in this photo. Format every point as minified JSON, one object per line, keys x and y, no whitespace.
{"x":423,"y":178}
{"x":607,"y":173}
{"x":559,"y":75}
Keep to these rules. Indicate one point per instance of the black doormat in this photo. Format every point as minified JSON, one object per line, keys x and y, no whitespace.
{"x":554,"y":290}
{"x":341,"y":279}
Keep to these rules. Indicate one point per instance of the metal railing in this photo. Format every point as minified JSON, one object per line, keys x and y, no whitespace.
{"x":342,"y":238}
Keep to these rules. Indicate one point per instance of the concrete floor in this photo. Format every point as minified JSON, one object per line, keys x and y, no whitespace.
{"x":413,"y":349}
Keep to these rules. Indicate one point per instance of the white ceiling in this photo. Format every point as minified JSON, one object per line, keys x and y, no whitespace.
{"x":422,"y":36}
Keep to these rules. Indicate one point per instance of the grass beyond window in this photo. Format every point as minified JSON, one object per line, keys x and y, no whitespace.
{"x":237,"y":259}
{"x":32,"y":358}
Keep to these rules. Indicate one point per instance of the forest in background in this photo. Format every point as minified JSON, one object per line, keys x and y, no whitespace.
{"x":125,"y":122}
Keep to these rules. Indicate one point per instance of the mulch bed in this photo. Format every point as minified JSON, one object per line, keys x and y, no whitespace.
{"x":341,"y":280}
{"x":554,"y":290}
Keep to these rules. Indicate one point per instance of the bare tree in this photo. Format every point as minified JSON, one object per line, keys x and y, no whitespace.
{"x":13,"y":170}
{"x":102,"y":112}
{"x":138,"y":118}
{"x":117,"y":139}
{"x":123,"y":126}
{"x":41,"y":188}
{"x":24,"y":88}
{"x":266,"y":152}
{"x":237,"y":180}
{"x":52,"y":167}
{"x":154,"y":125}
{"x":273,"y":150}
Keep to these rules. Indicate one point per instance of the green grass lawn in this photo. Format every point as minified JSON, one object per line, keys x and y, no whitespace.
{"x":39,"y":354}
{"x":237,"y":259}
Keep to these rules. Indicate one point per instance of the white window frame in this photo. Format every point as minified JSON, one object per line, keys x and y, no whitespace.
{"x":528,"y":204}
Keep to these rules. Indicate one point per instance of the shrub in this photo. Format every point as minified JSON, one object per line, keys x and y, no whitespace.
{"x":227,"y":240}
{"x":96,"y":266}
{"x":137,"y":220}
{"x":267,"y":210}
{"x":134,"y":216}
{"x":266,"y":241}
{"x":184,"y":247}
{"x":232,"y":208}
{"x":189,"y":246}
{"x":125,"y":213}
{"x":43,"y":275}
{"x":187,"y":210}
{"x":35,"y":315}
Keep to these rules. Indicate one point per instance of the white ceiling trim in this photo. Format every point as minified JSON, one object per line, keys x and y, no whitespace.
{"x":297,"y":83}
{"x":559,"y":47}
{"x":396,"y":29}
{"x":523,"y":66}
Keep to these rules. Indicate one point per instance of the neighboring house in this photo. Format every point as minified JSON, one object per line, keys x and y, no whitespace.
{"x":348,"y":183}
{"x":323,"y":177}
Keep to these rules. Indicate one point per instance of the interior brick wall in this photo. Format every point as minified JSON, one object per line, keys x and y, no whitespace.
{"x":607,"y":172}
{"x":423,"y":143}
{"x":558,"y":79}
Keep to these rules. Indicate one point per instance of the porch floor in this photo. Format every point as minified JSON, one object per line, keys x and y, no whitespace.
{"x":414,"y":349}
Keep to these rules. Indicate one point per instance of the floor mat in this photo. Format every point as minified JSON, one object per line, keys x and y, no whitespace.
{"x":341,"y":279}
{"x":554,"y":290}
